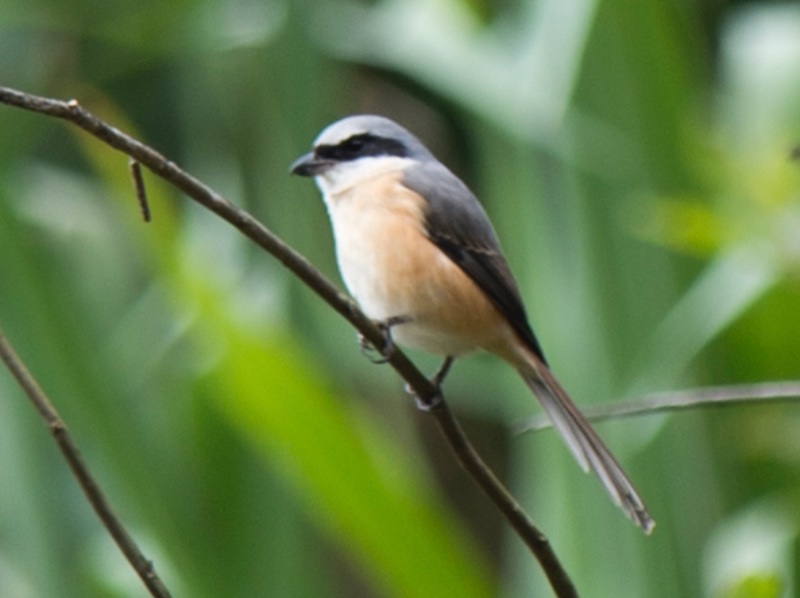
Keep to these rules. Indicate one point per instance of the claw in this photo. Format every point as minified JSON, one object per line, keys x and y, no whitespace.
{"x":369,"y":350}
{"x":430,"y":405}
{"x":384,"y":352}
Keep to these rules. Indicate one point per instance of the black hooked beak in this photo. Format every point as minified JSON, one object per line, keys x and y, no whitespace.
{"x":310,"y":165}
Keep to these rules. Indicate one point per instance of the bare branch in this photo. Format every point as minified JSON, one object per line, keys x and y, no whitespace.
{"x":142,"y":566}
{"x":138,"y":188}
{"x":425,"y":391}
{"x":664,"y":402}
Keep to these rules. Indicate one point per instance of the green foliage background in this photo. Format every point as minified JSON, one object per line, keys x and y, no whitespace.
{"x":635,"y":158}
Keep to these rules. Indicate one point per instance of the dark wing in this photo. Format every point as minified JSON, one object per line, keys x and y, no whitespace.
{"x":456,"y":223}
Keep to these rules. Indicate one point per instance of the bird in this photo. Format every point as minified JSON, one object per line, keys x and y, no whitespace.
{"x":420,"y":257}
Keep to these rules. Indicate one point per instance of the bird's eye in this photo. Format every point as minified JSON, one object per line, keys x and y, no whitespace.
{"x":354,"y":144}
{"x":355,"y":147}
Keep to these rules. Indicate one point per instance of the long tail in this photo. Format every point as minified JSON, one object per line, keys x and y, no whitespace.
{"x":585,"y":444}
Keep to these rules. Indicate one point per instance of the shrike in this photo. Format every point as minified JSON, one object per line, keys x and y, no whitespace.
{"x":418,"y":253}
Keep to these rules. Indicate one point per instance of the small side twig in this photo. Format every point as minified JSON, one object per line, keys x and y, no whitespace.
{"x":138,"y":188}
{"x":142,"y":566}
{"x":424,"y":390}
{"x":664,"y":402}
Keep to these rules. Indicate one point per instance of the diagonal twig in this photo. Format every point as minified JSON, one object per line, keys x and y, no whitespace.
{"x":424,"y":390}
{"x":142,"y":566}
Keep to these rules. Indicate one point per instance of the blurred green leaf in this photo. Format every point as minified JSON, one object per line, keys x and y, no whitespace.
{"x":764,"y":585}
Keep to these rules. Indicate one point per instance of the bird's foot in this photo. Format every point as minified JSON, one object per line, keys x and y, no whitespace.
{"x":384,"y":353}
{"x":437,"y":398}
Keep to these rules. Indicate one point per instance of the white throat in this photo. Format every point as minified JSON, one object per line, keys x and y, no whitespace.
{"x":345,"y":175}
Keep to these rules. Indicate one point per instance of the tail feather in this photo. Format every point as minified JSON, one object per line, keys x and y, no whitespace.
{"x":586,"y":445}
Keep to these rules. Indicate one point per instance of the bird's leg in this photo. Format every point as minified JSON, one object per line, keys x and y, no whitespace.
{"x":385,"y":352}
{"x":436,"y":380}
{"x":440,"y":374}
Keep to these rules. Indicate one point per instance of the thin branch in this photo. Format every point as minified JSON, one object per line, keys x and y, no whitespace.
{"x":424,"y":390}
{"x":142,"y":566}
{"x":536,"y":541}
{"x":664,"y":402}
{"x":138,"y":188}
